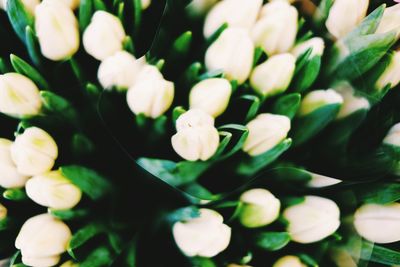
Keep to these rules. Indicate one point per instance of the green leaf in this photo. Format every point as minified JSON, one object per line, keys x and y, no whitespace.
{"x":15,"y":194}
{"x":291,"y":174}
{"x":177,"y":112}
{"x":138,"y":15}
{"x":258,"y":54}
{"x":120,"y":11}
{"x":82,"y":236}
{"x":6,"y":224}
{"x":255,"y":105}
{"x":240,"y":133}
{"x":19,"y":17}
{"x":22,"y":67}
{"x":128,"y":45}
{"x":272,"y":241}
{"x":77,"y":70}
{"x":99,"y":5}
{"x":368,"y":25}
{"x":3,"y":66}
{"x":85,"y":13}
{"x":211,"y":74}
{"x":99,"y":257}
{"x":322,"y":12}
{"x":67,"y":215}
{"x":380,"y":254}
{"x":32,"y":46}
{"x":379,"y":193}
{"x":216,"y":34}
{"x":287,"y":105}
{"x":198,"y":191}
{"x":59,"y":105}
{"x":82,"y":145}
{"x":182,"y":45}
{"x":302,"y":60}
{"x":203,"y":262}
{"x":183,"y":214}
{"x":90,"y":182}
{"x":308,"y":260}
{"x":192,"y":73}
{"x":307,"y":75}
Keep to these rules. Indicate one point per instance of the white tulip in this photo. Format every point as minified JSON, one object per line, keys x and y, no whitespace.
{"x":145,"y":4}
{"x":312,"y":220}
{"x":3,"y":4}
{"x":276,"y":30}
{"x":317,"y":44}
{"x":391,"y":74}
{"x":351,"y":102}
{"x":265,"y":132}
{"x":390,"y":20}
{"x":199,"y":7}
{"x":204,"y":236}
{"x":53,"y":190}
{"x":345,"y":15}
{"x":260,"y":208}
{"x":42,"y":239}
{"x":232,"y":52}
{"x":319,"y":181}
{"x":9,"y":178}
{"x":236,"y":13}
{"x":19,"y":96}
{"x":274,"y":75}
{"x":3,"y":212}
{"x":119,"y":70}
{"x":151,"y":94}
{"x":72,"y":4}
{"x":289,"y":261}
{"x":34,"y":152}
{"x":104,"y":36}
{"x":194,"y":118}
{"x":29,"y":5}
{"x":318,"y":99}
{"x":211,"y":96}
{"x":57,"y":30}
{"x":393,"y":136}
{"x":378,"y":223}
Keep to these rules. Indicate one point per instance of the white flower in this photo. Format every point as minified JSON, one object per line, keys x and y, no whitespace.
{"x":312,"y":220}
{"x":289,"y":261}
{"x":119,"y":70}
{"x":72,"y":4}
{"x":391,"y":74}
{"x":211,"y":96}
{"x":199,"y":7}
{"x":196,"y":137}
{"x":145,"y":4}
{"x":151,"y":94}
{"x":3,"y":212}
{"x":53,"y":190}
{"x":319,"y":181}
{"x":104,"y":35}
{"x":393,"y":136}
{"x":265,"y":132}
{"x":9,"y":178}
{"x":318,"y":99}
{"x":233,"y":53}
{"x":276,"y":30}
{"x":19,"y":96}
{"x":378,"y":223}
{"x":237,"y":13}
{"x":345,"y":15}
{"x":29,"y":5}
{"x":351,"y":102}
{"x":390,"y":20}
{"x":204,"y":236}
{"x":34,"y":152}
{"x":42,"y":239}
{"x":274,"y":75}
{"x":260,"y":208}
{"x":317,"y":44}
{"x":57,"y":30}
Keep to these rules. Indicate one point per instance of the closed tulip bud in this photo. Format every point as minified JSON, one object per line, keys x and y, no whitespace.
{"x":276,"y":30}
{"x":34,"y":152}
{"x":289,"y":261}
{"x":57,"y":30}
{"x":265,"y":132}
{"x":151,"y":95}
{"x":345,"y":15}
{"x":72,"y":4}
{"x":119,"y":70}
{"x":42,"y":239}
{"x":312,"y":220}
{"x":318,"y":99}
{"x":237,"y":13}
{"x":351,"y":102}
{"x":391,"y":74}
{"x":10,"y":177}
{"x":3,"y":4}
{"x":274,"y":75}
{"x":196,"y":137}
{"x":393,"y":136}
{"x":316,"y":44}
{"x":233,"y":53}
{"x":211,"y":95}
{"x":260,"y":208}
{"x":204,"y":236}
{"x":198,"y":8}
{"x":104,"y":35}
{"x":19,"y":96}
{"x":378,"y":223}
{"x":3,"y":212}
{"x":390,"y":20}
{"x":319,"y":181}
{"x":145,"y":4}
{"x":53,"y":190}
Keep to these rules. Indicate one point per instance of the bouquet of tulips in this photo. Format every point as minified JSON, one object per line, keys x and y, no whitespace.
{"x":199,"y":133}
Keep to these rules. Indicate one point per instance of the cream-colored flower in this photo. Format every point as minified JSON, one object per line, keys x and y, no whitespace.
{"x":10,"y":177}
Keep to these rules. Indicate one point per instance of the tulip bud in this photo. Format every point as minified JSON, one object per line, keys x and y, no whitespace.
{"x":53,"y":190}
{"x":318,"y":99}
{"x":274,"y":75}
{"x":276,"y":30}
{"x":196,"y":137}
{"x":211,"y":95}
{"x":236,"y":13}
{"x":198,"y":8}
{"x":390,"y":20}
{"x":145,"y":4}
{"x":378,"y":223}
{"x":9,"y":178}
{"x":19,"y":96}
{"x":345,"y":15}
{"x":317,"y":44}
{"x":312,"y":220}
{"x":391,"y":74}
{"x":151,"y":95}
{"x":29,"y":5}
{"x":3,"y":212}
{"x":265,"y":132}
{"x":233,"y":53}
{"x":393,"y":136}
{"x":104,"y":35}
{"x":289,"y":261}
{"x":204,"y":236}
{"x":72,"y":4}
{"x":119,"y":70}
{"x":351,"y":102}
{"x":319,"y":181}
{"x":34,"y":152}
{"x":42,"y":239}
{"x":3,"y":4}
{"x":57,"y":30}
{"x":260,"y":208}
